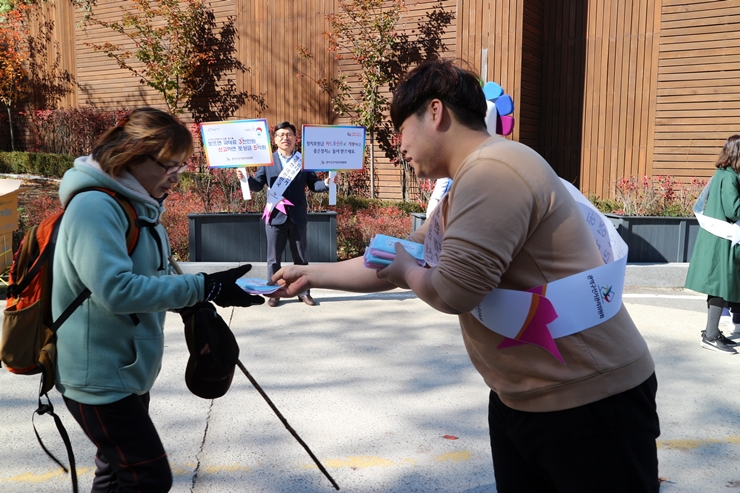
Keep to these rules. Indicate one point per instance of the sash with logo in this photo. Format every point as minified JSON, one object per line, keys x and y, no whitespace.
{"x":567,"y":306}
{"x":275,"y":198}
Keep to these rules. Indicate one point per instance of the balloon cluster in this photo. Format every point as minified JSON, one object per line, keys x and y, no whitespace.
{"x":499,"y":117}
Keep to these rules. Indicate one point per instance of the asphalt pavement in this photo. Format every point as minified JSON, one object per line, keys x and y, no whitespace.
{"x":380,"y":388}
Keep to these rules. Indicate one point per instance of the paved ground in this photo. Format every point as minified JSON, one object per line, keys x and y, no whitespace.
{"x":376,"y":385}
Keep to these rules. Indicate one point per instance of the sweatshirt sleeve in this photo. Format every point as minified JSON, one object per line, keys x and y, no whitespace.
{"x":489,"y":214}
{"x":94,"y":241}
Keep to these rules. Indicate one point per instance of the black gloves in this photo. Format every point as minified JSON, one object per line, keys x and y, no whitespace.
{"x":221,"y":288}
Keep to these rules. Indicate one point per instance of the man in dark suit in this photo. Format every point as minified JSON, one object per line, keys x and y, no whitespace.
{"x":290,"y":227}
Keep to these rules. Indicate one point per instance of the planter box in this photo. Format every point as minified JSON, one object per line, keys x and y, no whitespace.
{"x":657,"y":239}
{"x":417,"y":219}
{"x":650,"y":239}
{"x":226,"y":237}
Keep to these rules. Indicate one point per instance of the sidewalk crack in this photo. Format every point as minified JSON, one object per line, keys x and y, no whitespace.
{"x":200,"y":449}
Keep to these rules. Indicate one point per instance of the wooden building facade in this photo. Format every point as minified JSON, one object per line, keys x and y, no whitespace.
{"x":603,"y":89}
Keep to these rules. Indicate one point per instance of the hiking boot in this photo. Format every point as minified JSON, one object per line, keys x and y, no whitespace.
{"x":716,"y":345}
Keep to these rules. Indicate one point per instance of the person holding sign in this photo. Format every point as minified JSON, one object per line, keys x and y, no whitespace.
{"x":715,"y":261}
{"x":572,"y":396}
{"x":287,"y":222}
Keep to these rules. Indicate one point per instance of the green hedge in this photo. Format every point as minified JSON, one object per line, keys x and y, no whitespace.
{"x":35,"y":163}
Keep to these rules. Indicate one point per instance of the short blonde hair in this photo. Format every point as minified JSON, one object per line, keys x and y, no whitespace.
{"x":145,"y":132}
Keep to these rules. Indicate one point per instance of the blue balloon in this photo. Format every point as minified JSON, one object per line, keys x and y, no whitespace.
{"x":505,"y":105}
{"x":492,"y":91}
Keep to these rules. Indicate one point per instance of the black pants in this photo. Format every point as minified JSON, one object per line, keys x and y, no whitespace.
{"x":606,"y":446}
{"x":130,"y":455}
{"x":277,"y":237}
{"x":717,"y":301}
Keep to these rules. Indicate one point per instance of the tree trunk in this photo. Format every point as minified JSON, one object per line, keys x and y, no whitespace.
{"x":10,"y":126}
{"x":372,"y":163}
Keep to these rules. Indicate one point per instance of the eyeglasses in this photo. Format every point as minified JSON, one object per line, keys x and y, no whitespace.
{"x":170,"y":170}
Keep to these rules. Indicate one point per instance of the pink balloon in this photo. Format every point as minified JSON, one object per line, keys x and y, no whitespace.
{"x":505,"y":125}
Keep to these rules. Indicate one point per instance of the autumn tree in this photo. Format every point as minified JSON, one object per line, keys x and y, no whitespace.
{"x":14,"y":31}
{"x":367,"y":35}
{"x":176,"y":50}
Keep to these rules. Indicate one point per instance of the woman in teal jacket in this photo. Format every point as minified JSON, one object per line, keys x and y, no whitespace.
{"x":109,"y":352}
{"x":715,"y":262}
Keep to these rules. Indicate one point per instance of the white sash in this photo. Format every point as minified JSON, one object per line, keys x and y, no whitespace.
{"x":717,"y":227}
{"x":557,"y":309}
{"x":275,"y":198}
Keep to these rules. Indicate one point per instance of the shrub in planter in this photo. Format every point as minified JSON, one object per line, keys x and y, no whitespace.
{"x":654,"y":216}
{"x":355,"y":228}
{"x":358,"y":219}
{"x":657,"y":196}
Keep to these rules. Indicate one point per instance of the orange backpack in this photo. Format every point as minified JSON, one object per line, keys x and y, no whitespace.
{"x":28,"y":342}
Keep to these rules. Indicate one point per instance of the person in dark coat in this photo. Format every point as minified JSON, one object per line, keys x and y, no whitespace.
{"x":715,"y":261}
{"x":291,"y":227}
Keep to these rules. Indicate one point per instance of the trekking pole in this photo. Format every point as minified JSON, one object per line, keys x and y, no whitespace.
{"x":282,"y":419}
{"x":285,"y":423}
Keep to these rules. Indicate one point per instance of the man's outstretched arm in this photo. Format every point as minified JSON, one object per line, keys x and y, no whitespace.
{"x":348,"y":275}
{"x":351,"y":275}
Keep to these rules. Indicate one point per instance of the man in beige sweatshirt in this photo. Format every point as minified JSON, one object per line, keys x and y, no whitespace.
{"x":584,"y":424}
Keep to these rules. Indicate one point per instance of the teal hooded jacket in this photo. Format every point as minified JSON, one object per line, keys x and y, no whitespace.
{"x":102,"y":354}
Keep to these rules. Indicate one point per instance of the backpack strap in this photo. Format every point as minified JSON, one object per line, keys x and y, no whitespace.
{"x":134,"y":223}
{"x":85,"y":294}
{"x":48,"y":408}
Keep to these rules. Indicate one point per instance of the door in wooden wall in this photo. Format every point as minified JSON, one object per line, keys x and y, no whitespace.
{"x":563,"y":70}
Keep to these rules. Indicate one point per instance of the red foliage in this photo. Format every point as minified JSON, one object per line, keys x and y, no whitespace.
{"x":356,"y":228}
{"x":659,"y":195}
{"x":175,"y":220}
{"x":70,"y":131}
{"x":39,"y":208}
{"x":33,"y":210}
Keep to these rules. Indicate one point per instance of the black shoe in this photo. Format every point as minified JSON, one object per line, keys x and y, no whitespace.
{"x":306,"y":298}
{"x":727,"y":340}
{"x":716,"y":345}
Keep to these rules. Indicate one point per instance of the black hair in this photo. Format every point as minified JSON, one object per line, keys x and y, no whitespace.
{"x":283,"y":125}
{"x":459,"y":89}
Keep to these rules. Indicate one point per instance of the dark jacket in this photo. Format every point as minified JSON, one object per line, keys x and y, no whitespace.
{"x":295,"y":193}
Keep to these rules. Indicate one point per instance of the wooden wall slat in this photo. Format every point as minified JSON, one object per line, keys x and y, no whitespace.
{"x":697,"y":85}
{"x":500,"y":26}
{"x":660,"y":79}
{"x":620,"y":80}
